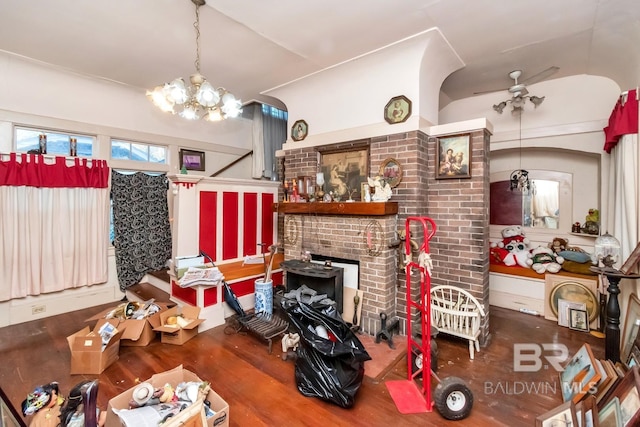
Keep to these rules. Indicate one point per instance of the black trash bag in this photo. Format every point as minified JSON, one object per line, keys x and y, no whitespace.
{"x":332,"y":371}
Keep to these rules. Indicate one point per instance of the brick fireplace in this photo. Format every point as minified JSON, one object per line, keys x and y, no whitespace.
{"x":459,"y":207}
{"x":361,"y":238}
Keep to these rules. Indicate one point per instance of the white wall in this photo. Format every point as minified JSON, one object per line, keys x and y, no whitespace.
{"x":563,"y":134}
{"x":36,"y":96}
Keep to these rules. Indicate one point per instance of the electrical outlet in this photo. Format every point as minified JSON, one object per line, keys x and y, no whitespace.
{"x":37,"y":309}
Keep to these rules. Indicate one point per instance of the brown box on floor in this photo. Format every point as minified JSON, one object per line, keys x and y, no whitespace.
{"x":87,"y":353}
{"x":179,"y":334}
{"x":135,"y":332}
{"x":172,"y":377}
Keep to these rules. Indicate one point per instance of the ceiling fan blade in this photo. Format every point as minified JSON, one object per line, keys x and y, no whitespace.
{"x":482,"y":92}
{"x":542,"y":75}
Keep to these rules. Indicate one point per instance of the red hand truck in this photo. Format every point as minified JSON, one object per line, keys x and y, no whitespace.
{"x":452,"y":397}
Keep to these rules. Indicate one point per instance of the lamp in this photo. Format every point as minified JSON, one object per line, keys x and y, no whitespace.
{"x":199,"y":99}
{"x":607,"y":251}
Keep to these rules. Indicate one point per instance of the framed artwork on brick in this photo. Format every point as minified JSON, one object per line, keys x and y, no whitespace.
{"x":344,"y":171}
{"x":454,"y":157}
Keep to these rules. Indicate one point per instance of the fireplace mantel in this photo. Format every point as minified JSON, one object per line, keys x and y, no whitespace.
{"x":337,"y":208}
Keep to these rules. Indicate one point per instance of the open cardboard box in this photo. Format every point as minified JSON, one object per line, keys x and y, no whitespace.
{"x":136,"y":332}
{"x":175,"y":334}
{"x":173,"y":377}
{"x":87,"y":355}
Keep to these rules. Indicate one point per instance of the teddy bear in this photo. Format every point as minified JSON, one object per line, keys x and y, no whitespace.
{"x":544,"y":260}
{"x":513,"y":249}
{"x":559,"y":244}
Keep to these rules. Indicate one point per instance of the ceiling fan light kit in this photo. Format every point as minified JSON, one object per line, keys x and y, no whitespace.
{"x":519,"y":92}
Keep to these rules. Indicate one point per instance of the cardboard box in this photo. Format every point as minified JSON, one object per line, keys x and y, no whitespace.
{"x":173,"y":377}
{"x":177,"y":335}
{"x":87,"y":355}
{"x":136,"y":332}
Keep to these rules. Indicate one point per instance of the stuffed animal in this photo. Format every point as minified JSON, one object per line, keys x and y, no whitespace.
{"x":559,"y":244}
{"x":544,"y":260}
{"x":513,"y":249}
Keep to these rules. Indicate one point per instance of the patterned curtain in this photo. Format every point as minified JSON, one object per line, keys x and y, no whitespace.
{"x":141,"y":225}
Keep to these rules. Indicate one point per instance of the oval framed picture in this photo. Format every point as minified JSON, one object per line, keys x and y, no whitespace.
{"x":574,"y":291}
{"x":299,"y":130}
{"x":391,"y":170}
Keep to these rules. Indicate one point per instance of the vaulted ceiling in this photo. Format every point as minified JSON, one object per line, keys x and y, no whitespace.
{"x":251,"y":46}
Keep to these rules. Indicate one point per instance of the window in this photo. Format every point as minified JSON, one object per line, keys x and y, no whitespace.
{"x":268,"y":110}
{"x":58,"y":143}
{"x":138,"y":151}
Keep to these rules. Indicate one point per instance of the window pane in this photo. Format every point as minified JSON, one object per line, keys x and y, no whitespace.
{"x":57,"y":144}
{"x":85,"y":146}
{"x":140,"y":152}
{"x":26,"y":140}
{"x":157,"y":154}
{"x":120,"y":150}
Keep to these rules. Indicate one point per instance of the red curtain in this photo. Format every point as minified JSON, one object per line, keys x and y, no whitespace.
{"x":32,"y":171}
{"x":623,"y":120}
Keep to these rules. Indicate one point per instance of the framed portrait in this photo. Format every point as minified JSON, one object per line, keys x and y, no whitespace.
{"x":575,"y":290}
{"x":192,"y":160}
{"x":630,"y":328}
{"x":454,"y":157}
{"x":579,"y":375}
{"x":631,"y":262}
{"x":345,"y":171}
{"x":397,"y":110}
{"x":563,"y":415}
{"x":299,"y":130}
{"x":391,"y":170}
{"x":578,"y":319}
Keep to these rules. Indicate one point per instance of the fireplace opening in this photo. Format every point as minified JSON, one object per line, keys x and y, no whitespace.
{"x":351,"y":267}
{"x":322,"y":279}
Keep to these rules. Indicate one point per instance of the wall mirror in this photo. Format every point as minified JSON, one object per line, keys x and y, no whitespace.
{"x":548,"y":206}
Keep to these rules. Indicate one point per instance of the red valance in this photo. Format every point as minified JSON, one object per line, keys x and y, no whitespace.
{"x":623,"y":120}
{"x":32,"y":171}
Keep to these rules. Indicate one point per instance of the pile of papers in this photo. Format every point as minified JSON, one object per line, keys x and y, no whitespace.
{"x":201,"y":276}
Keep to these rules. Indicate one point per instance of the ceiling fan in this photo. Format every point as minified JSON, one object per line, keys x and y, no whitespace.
{"x":520,"y":87}
{"x":519,"y":92}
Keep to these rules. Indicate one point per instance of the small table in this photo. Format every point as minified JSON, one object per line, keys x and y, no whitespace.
{"x":612,"y":328}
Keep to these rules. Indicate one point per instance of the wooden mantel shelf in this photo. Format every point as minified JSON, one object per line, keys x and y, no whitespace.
{"x":337,"y":208}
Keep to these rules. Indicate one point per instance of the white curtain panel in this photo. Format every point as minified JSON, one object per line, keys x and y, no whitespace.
{"x":624,"y":198}
{"x":52,"y":239}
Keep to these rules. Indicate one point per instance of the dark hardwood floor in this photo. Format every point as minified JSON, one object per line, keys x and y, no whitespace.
{"x":261,"y":390}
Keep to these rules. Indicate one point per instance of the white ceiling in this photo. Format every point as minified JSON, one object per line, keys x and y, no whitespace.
{"x":251,"y":46}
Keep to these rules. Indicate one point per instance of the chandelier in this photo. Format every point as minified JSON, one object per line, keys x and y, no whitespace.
{"x":519,"y":179}
{"x":199,"y":100}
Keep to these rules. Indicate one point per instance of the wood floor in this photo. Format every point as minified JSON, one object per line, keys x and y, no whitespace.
{"x":261,"y":389}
